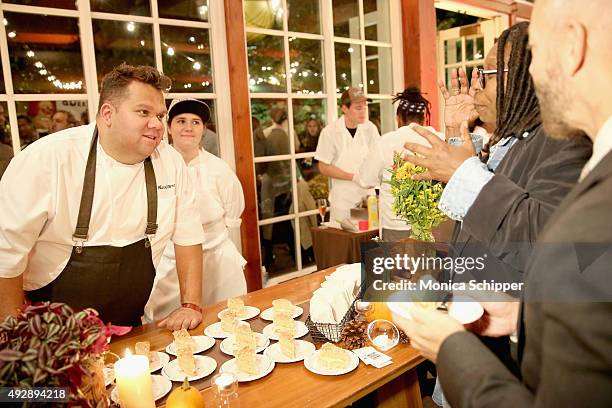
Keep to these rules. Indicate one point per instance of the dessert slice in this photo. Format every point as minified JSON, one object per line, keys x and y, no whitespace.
{"x":186,"y":361}
{"x":332,"y":357}
{"x":246,"y":361}
{"x":143,"y":348}
{"x":282,"y":307}
{"x":183,"y":336}
{"x":228,"y":321}
{"x":284,"y":323}
{"x":288,"y":346}
{"x":244,"y":338}
{"x":236,"y":306}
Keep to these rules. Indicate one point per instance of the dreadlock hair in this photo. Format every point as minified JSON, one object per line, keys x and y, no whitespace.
{"x":413,"y":107}
{"x":518,"y":110}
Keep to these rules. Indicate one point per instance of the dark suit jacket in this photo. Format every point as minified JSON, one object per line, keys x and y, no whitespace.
{"x":513,"y":207}
{"x":565,"y":347}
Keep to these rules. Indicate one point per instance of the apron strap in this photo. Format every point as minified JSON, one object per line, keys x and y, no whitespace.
{"x":81,"y":232}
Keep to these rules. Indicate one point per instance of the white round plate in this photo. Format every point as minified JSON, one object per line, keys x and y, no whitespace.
{"x":214,"y":330}
{"x":161,"y":386}
{"x":464,"y":309}
{"x":267,"y":314}
{"x":311,"y":363}
{"x":251,"y":312}
{"x":204,"y":366}
{"x":303,"y":349}
{"x":300,"y":330}
{"x":262,"y":341}
{"x":163,"y":360}
{"x":109,"y":375}
{"x":203,"y":343}
{"x":264,"y":367}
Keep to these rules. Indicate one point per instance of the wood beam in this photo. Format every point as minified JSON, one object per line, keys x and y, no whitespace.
{"x":243,"y":138}
{"x":419,"y":45}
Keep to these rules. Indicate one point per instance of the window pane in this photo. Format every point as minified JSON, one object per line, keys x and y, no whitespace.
{"x":6,"y":146}
{"x":308,"y":121}
{"x":274,"y":189}
{"x":266,"y":64}
{"x":271,"y":138}
{"x":186,"y":58}
{"x":41,"y":118}
{"x":346,"y":18}
{"x":469,"y":48}
{"x":306,"y":67}
{"x":45,"y":53}
{"x":303,"y":16}
{"x":119,"y":41}
{"x":2,"y":88}
{"x":183,"y":9}
{"x":376,"y":20}
{"x":348,"y":66}
{"x":263,"y":14}
{"x":479,"y":48}
{"x":379,"y":70}
{"x":63,"y":4}
{"x":278,"y":248}
{"x":133,"y":7}
{"x":452,"y":51}
{"x":382,"y":114}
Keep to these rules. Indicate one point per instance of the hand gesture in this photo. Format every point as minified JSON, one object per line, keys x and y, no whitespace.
{"x":182,"y":318}
{"x":459,"y":103}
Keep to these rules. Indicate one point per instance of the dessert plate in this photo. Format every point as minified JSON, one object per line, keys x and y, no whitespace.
{"x":312,"y":364}
{"x":214,"y":330}
{"x":162,"y":360}
{"x":300,"y":331}
{"x":264,"y":367}
{"x":251,"y":312}
{"x":262,"y":341}
{"x":303,"y":350}
{"x":204,"y":366}
{"x":203,"y":343}
{"x":161,"y":386}
{"x":268,"y":313}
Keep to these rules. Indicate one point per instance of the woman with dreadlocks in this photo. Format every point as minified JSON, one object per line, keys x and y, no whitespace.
{"x":412,"y":107}
{"x":503,"y":203}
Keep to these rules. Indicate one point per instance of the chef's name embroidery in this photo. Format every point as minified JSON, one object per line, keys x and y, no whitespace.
{"x":167,"y":186}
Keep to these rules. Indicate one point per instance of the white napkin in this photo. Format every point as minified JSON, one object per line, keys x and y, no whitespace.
{"x":321,"y":309}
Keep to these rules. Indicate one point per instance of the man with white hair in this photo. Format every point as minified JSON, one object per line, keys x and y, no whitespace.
{"x":564,"y":318}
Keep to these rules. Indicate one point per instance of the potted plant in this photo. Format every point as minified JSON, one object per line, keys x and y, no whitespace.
{"x":51,"y":345}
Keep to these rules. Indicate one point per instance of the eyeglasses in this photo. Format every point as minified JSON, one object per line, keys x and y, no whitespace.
{"x":482,"y":81}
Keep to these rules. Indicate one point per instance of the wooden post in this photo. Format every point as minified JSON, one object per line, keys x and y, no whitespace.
{"x":243,"y":137}
{"x":419,"y":44}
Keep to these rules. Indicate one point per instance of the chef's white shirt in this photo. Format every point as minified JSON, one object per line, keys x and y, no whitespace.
{"x":335,"y":137}
{"x":40,"y":195}
{"x":377,"y":166}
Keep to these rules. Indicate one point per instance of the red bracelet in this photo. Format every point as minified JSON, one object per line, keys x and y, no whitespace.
{"x":192,"y":306}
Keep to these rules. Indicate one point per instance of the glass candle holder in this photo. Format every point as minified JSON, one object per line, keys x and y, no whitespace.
{"x":383,"y":334}
{"x":225,"y":389}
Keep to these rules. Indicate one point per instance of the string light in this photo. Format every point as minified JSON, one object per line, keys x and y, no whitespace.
{"x":130,"y":27}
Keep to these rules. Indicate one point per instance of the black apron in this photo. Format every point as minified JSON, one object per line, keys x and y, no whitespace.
{"x":116,"y":281}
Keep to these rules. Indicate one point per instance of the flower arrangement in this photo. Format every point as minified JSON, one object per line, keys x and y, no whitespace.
{"x":50,"y":345}
{"x":415,"y":201}
{"x":319,"y":186}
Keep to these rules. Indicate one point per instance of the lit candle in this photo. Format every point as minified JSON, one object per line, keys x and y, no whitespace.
{"x":134,"y":382}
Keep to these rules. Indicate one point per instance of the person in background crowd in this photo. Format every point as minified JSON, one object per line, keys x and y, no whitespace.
{"x":342,"y":147}
{"x":87,"y":213}
{"x":412,"y":107}
{"x":562,"y":322}
{"x":27,"y":132}
{"x":62,"y":120}
{"x":220,"y":201}
{"x":310,"y":137}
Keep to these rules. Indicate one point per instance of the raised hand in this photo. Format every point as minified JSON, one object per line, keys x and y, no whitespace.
{"x":459,"y":103}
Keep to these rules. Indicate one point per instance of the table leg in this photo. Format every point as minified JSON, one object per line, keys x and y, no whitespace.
{"x":402,"y":392}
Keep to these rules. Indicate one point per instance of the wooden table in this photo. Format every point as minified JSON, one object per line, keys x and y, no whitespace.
{"x":292,"y":385}
{"x":333,"y":246}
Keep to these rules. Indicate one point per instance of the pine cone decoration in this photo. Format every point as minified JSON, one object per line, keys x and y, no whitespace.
{"x":354,"y":335}
{"x":403,"y":337}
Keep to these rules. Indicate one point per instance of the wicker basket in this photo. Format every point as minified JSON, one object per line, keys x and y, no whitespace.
{"x":324,"y":332}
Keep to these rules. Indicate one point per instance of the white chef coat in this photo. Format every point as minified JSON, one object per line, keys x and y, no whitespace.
{"x":40,"y":195}
{"x":220,"y":203}
{"x":376,"y":170}
{"x":337,"y":147}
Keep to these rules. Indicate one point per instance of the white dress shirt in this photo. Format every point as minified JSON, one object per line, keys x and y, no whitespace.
{"x":40,"y":195}
{"x":601,"y":147}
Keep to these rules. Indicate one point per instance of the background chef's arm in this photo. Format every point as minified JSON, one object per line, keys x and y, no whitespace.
{"x":335,"y":172}
{"x":232,"y":197}
{"x":11,"y":293}
{"x":189,"y":269}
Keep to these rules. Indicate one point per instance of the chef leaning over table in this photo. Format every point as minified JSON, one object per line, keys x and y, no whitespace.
{"x":87,"y":213}
{"x":342,"y":147}
{"x":220,"y":204}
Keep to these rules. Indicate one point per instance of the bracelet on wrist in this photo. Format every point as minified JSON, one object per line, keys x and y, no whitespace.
{"x":192,"y":306}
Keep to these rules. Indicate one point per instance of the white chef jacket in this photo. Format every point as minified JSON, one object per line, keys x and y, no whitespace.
{"x":376,"y":170}
{"x":337,"y":147}
{"x":40,"y":195}
{"x":220,"y":202}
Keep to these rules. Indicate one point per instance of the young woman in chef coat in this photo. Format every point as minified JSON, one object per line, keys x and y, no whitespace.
{"x":220,"y":201}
